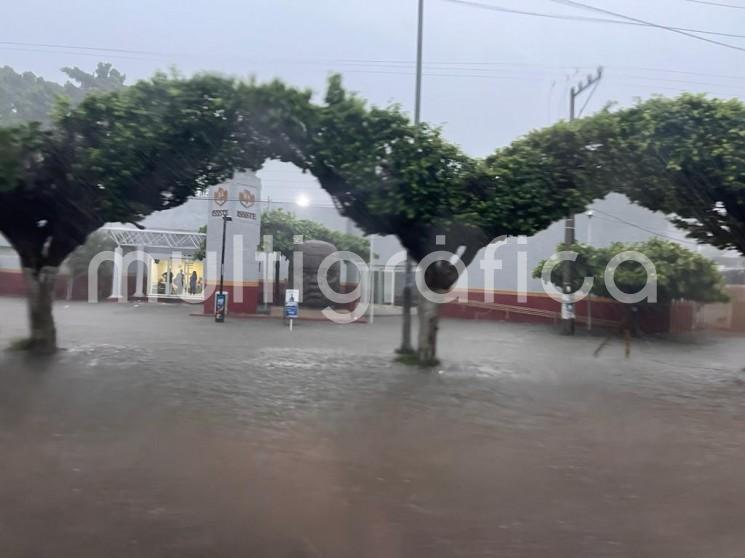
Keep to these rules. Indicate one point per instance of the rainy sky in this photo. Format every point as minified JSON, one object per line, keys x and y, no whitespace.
{"x":490,"y":75}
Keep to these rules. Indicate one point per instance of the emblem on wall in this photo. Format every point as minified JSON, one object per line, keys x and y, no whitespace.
{"x":247,"y":198}
{"x":221,"y":196}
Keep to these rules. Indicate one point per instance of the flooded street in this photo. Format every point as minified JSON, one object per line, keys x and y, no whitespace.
{"x":159,"y":434}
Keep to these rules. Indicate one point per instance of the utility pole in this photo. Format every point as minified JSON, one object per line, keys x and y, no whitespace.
{"x":371,"y":279}
{"x":406,"y":346}
{"x":567,"y":306}
{"x":589,"y":214}
{"x":220,"y":298}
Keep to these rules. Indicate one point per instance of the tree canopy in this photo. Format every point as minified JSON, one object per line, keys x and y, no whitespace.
{"x":684,"y":157}
{"x":123,"y":153}
{"x":79,"y":260}
{"x":392,"y":178}
{"x":120,"y":155}
{"x":117,"y":156}
{"x":681,"y":273}
{"x":283,"y":226}
{"x":26,"y":97}
{"x":689,"y":161}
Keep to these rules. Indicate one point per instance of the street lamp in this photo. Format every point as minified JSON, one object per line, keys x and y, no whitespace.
{"x":302,"y":200}
{"x":406,"y":347}
{"x":589,"y":214}
{"x":220,"y":298}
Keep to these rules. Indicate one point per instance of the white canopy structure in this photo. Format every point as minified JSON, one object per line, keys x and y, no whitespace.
{"x":167,"y":255}
{"x":147,"y":238}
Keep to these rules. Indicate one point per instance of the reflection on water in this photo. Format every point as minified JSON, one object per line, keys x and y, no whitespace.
{"x":183,"y":449}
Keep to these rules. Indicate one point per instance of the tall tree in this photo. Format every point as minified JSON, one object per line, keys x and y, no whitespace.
{"x":26,"y":97}
{"x":284,"y":226}
{"x":680,"y":274}
{"x":686,"y":157}
{"x":392,"y":180}
{"x":121,"y":155}
{"x":78,"y":262}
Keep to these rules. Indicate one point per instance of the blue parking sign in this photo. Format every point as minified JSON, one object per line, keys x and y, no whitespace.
{"x":291,"y":302}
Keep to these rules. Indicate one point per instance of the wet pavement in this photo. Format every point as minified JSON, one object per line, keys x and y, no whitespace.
{"x":157,"y":434}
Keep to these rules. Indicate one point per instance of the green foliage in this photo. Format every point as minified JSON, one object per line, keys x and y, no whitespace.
{"x":392,"y":178}
{"x":103,"y":78}
{"x":681,"y":273}
{"x":20,"y":344}
{"x":683,"y":156}
{"x":412,"y":359}
{"x":284,"y":226}
{"x":29,"y":98}
{"x":121,"y":155}
{"x":686,"y":157}
{"x":201,"y":252}
{"x":79,"y":260}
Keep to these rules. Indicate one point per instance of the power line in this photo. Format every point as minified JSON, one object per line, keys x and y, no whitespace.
{"x":595,"y":87}
{"x":636,"y":84}
{"x":76,"y":47}
{"x":654,"y":88}
{"x":580,"y":5}
{"x":520,"y":64}
{"x":430,"y":74}
{"x":72,"y":53}
{"x":720,"y":4}
{"x":373,"y":63}
{"x":519,"y":67}
{"x":645,"y":229}
{"x":682,"y":72}
{"x":647,"y":81}
{"x":639,"y":23}
{"x":456,"y":69}
{"x":684,"y":81}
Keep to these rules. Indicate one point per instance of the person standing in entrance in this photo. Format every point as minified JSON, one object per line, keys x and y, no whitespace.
{"x":193,"y":283}
{"x":179,"y":282}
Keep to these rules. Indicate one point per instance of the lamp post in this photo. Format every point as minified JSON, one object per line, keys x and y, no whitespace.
{"x":372,"y":280}
{"x":408,"y":295}
{"x":220,"y":298}
{"x":567,"y":307}
{"x":589,"y":214}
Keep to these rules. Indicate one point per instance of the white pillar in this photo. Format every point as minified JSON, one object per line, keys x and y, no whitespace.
{"x":116,"y":276}
{"x":169,"y":276}
{"x":393,"y":287}
{"x":140,"y":272}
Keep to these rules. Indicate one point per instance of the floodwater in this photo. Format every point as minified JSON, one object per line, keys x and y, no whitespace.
{"x":159,"y":434}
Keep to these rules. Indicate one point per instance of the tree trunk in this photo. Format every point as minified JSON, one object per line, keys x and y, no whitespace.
{"x":406,"y":347}
{"x":275,"y":284}
{"x":70,"y":285}
{"x":428,"y":313}
{"x":40,"y":284}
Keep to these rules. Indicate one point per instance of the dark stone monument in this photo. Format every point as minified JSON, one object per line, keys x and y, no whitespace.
{"x":314,"y":252}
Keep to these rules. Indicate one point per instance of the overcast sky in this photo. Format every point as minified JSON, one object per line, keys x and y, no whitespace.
{"x":489,"y":76}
